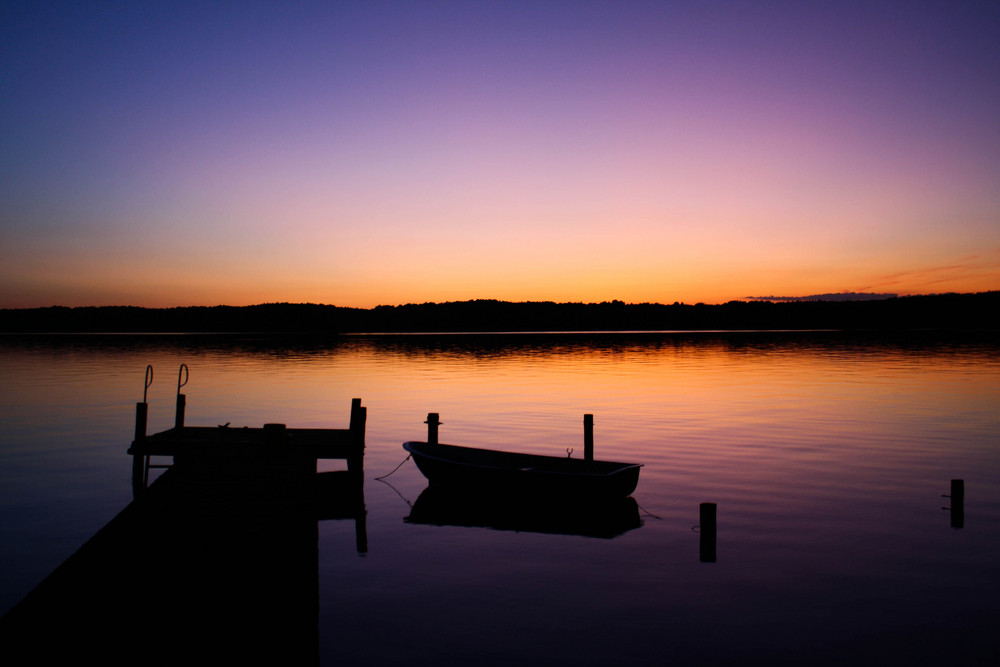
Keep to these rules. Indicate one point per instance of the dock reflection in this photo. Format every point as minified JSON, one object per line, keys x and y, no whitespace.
{"x":443,"y":506}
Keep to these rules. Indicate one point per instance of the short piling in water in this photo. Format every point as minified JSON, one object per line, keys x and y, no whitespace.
{"x":707,"y":523}
{"x":957,"y":491}
{"x":957,"y":508}
{"x":432,"y":428}
{"x":588,"y":437}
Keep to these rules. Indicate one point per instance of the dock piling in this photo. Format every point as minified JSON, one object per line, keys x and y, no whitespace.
{"x":179,"y":416}
{"x":182,"y":372}
{"x":141,"y":412}
{"x":957,"y":503}
{"x":359,"y":417}
{"x":588,"y":437}
{"x":957,"y":492}
{"x":140,"y":463}
{"x":707,"y":522}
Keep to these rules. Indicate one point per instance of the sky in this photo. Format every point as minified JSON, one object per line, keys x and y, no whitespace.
{"x":363,"y":153}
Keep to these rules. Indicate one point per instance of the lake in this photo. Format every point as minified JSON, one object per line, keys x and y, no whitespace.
{"x":826,"y":453}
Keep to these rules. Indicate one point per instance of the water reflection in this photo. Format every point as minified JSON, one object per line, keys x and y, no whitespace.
{"x":511,"y":345}
{"x":443,"y":506}
{"x":827,"y":453}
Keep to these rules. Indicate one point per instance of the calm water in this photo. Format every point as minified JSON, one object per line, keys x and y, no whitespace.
{"x":827,"y":455}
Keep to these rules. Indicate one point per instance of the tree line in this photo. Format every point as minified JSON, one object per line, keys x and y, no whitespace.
{"x":980,"y":311}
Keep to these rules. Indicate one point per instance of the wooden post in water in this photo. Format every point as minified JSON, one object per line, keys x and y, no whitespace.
{"x":707,"y":523}
{"x":433,"y":421}
{"x":957,"y":492}
{"x":958,"y":503}
{"x":588,"y":437}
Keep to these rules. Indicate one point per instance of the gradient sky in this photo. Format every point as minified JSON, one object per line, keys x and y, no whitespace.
{"x":365,"y":153}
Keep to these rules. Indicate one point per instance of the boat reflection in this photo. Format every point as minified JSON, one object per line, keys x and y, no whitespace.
{"x":443,"y":506}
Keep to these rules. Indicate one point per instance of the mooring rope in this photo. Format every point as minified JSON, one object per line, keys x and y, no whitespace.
{"x":648,"y":513}
{"x":408,"y":457}
{"x":405,"y":499}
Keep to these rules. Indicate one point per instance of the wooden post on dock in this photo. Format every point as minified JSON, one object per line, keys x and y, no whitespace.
{"x":355,"y":468}
{"x":182,"y":378}
{"x":179,"y":416}
{"x":139,"y":460}
{"x":588,"y":437}
{"x":141,"y":412}
{"x":359,"y":416}
{"x":707,"y":527}
{"x":433,"y":421}
{"x":274,"y":434}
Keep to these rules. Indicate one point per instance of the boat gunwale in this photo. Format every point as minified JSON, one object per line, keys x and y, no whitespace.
{"x":621,"y":466}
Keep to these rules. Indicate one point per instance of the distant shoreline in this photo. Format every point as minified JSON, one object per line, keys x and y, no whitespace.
{"x":948,"y":312}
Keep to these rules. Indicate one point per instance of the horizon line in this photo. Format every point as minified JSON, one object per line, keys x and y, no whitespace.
{"x":828,"y":297}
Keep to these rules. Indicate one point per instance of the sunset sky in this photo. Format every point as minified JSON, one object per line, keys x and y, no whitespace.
{"x":365,"y":153}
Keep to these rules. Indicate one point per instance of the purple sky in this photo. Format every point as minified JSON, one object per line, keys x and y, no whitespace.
{"x":365,"y":153}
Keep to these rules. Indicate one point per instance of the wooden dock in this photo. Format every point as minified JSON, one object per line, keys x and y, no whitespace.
{"x":218,"y":557}
{"x":231,"y":452}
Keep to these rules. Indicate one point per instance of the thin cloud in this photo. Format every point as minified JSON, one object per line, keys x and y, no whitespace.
{"x":834,"y":296}
{"x":969,"y":268}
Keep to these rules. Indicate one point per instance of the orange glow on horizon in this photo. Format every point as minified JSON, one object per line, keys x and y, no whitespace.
{"x":685,"y":159}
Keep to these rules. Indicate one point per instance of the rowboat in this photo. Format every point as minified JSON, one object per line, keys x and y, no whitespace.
{"x":522,"y":474}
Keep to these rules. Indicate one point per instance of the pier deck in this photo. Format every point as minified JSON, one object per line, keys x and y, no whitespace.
{"x":218,"y":557}
{"x":221,"y":448}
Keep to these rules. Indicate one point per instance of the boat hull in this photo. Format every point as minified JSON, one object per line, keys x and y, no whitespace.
{"x":522,"y":474}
